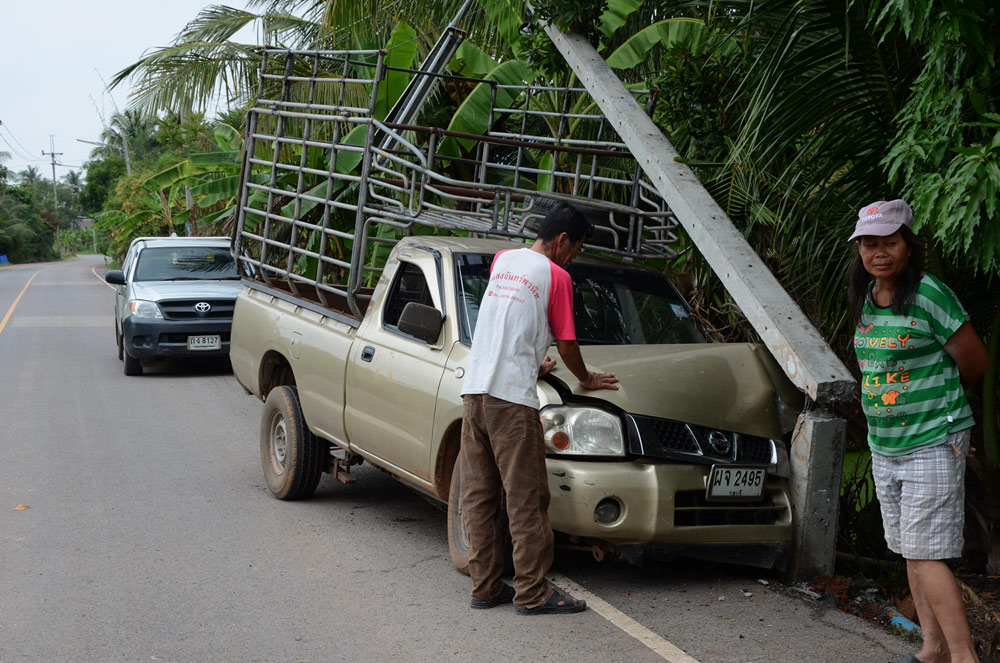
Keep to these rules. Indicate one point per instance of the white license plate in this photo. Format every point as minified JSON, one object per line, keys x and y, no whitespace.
{"x":726,"y":482}
{"x":204,"y":342}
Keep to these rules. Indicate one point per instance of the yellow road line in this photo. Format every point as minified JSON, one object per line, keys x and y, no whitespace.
{"x":10,"y":311}
{"x":667,"y":651}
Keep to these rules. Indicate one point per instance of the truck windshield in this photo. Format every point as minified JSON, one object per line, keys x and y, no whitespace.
{"x":612,"y":305}
{"x":185,"y":262}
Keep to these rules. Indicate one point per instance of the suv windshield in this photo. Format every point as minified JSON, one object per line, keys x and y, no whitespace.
{"x":611,"y":305}
{"x":185,"y":262}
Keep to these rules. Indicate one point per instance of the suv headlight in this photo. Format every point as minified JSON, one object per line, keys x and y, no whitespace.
{"x":143,"y":309}
{"x":586,"y":431}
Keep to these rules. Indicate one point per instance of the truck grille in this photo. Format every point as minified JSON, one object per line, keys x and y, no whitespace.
{"x":664,"y":438}
{"x":184,"y":309}
{"x":691,"y":509}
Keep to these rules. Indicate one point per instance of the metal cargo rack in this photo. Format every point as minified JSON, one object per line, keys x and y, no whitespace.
{"x":327,"y":186}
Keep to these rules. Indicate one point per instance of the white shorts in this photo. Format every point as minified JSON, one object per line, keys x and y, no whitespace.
{"x":922,"y":496}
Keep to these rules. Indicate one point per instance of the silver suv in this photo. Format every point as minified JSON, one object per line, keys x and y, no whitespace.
{"x":175,"y":298}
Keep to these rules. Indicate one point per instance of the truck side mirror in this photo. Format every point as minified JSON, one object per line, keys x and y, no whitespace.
{"x":420,"y":321}
{"x":115,"y":277}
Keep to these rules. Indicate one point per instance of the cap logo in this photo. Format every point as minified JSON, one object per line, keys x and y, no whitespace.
{"x":872,"y":209}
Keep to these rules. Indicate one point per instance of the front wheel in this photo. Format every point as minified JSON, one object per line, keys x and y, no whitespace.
{"x":289,"y":452}
{"x":132,"y":364}
{"x":458,"y":535}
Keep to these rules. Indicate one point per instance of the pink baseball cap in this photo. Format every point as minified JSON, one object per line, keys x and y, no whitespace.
{"x":883,"y":218}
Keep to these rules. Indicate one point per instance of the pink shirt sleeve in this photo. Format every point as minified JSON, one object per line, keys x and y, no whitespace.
{"x":561,"y":304}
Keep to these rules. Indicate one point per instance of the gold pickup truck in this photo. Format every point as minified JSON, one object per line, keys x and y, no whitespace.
{"x":360,"y":236}
{"x":688,"y":457}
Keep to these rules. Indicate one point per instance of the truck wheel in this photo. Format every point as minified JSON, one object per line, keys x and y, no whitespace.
{"x":132,"y":365}
{"x":458,"y":535}
{"x":289,"y":452}
{"x":120,"y":342}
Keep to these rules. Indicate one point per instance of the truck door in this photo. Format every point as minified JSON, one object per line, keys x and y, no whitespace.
{"x":393,"y":378}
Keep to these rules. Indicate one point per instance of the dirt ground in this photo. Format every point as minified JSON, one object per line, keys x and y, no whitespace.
{"x":982,"y":600}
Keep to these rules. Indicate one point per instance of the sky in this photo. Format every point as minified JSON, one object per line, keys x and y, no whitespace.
{"x":57,"y":56}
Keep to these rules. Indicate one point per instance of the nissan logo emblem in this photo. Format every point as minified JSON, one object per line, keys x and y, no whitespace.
{"x":203,"y":307}
{"x":719,"y":442}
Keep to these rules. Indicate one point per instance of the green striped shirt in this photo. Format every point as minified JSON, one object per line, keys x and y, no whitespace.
{"x":910,"y":387}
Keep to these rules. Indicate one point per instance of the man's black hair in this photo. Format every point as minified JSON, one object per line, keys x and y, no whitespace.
{"x":565,"y":219}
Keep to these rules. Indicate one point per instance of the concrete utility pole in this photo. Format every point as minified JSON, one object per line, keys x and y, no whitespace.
{"x":818,"y":442}
{"x":53,"y":154}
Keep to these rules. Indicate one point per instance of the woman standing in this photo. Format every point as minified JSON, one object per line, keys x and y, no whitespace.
{"x":917,"y":351}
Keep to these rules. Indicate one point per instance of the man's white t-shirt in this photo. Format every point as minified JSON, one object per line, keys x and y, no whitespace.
{"x":528,"y":303}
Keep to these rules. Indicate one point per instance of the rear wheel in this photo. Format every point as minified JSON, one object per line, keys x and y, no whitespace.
{"x":132,"y":364}
{"x":290,"y":454}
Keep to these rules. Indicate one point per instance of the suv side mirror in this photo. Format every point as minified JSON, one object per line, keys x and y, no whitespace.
{"x":420,"y":321}
{"x":115,"y":277}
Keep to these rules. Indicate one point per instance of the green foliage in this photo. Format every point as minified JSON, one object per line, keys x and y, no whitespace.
{"x":580,"y":16}
{"x":945,"y":150}
{"x":26,"y":229}
{"x":101,"y":175}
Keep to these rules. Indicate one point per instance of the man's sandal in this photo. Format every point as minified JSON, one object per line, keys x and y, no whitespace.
{"x":557,"y":604}
{"x":506,"y":595}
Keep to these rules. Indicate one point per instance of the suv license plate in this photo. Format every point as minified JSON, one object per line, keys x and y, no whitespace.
{"x":726,"y":482}
{"x":204,"y":342}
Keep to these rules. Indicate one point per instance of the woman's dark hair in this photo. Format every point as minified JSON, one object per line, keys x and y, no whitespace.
{"x":859,"y":282}
{"x":564,"y":219}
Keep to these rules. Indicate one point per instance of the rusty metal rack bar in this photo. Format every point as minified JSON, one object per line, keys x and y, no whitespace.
{"x":326,"y":181}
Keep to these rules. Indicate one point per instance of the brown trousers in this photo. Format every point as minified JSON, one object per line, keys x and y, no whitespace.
{"x":502,"y":447}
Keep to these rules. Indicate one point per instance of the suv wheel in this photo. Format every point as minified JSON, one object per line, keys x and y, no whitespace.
{"x":132,"y":364}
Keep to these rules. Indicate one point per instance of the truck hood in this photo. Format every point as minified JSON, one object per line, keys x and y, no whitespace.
{"x":200,"y":289}
{"x":731,"y":387}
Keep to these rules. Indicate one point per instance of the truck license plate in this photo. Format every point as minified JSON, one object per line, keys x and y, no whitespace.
{"x":205,"y":342}
{"x":726,"y":482}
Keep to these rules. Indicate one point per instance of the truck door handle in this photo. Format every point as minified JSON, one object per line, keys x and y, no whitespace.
{"x":367,"y":353}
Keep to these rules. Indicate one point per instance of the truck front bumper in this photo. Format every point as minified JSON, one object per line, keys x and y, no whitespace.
{"x":661,"y":506}
{"x":155,"y":338}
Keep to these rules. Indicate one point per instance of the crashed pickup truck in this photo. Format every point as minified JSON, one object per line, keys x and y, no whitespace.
{"x":360,"y":300}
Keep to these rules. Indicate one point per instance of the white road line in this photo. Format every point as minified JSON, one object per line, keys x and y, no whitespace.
{"x":101,"y":278}
{"x":658,"y":644}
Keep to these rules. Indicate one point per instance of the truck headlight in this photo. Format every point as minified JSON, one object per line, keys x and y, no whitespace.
{"x":143,"y":309}
{"x":586,"y":431}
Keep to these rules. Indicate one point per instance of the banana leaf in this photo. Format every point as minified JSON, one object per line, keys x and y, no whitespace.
{"x":401,"y":51}
{"x":616,"y":14}
{"x":689,"y":33}
{"x":473,"y":115}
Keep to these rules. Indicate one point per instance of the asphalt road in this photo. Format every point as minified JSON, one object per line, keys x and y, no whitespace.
{"x":150,"y":535}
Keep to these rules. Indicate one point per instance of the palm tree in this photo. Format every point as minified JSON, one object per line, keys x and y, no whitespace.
{"x":205,"y":64}
{"x":29,"y":175}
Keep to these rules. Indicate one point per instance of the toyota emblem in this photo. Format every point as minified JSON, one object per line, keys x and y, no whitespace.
{"x":719,"y":442}
{"x":203,"y":307}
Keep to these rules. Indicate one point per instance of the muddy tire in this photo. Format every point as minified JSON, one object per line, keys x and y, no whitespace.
{"x":289,"y":453}
{"x":458,"y":535}
{"x":132,"y":364}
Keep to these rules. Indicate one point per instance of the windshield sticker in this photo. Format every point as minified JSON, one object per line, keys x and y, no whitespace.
{"x":680,"y":311}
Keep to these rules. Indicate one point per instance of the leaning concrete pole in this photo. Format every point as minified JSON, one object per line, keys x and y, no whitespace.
{"x":818,"y":441}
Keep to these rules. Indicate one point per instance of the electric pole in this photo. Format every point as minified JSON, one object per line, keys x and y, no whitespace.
{"x":53,"y":154}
